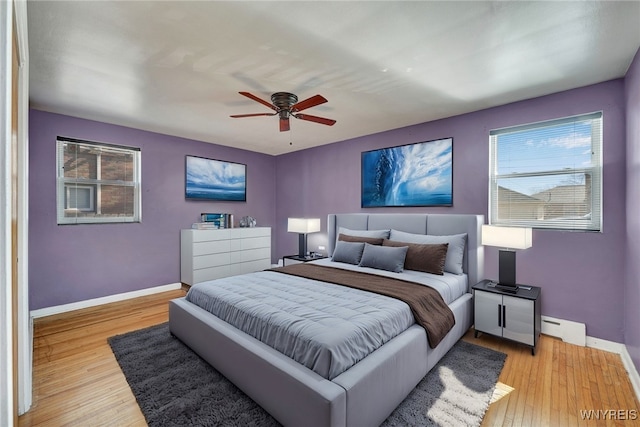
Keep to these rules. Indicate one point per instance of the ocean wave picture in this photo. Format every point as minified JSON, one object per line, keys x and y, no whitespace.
{"x":409,"y":175}
{"x":208,"y":179}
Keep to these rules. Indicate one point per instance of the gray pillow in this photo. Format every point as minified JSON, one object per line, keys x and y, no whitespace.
{"x":378,"y":234}
{"x":348,"y":252}
{"x":372,"y":240}
{"x":455,"y":251}
{"x":384,"y":257}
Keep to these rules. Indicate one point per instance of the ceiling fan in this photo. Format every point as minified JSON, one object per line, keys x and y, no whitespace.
{"x":286,"y":105}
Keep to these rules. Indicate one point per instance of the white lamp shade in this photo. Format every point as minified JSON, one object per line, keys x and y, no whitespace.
{"x":303,"y":225}
{"x":506,"y":237}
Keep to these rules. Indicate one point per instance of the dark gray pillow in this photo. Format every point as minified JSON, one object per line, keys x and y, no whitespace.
{"x":349,"y":252}
{"x":384,"y":257}
{"x":427,"y":258}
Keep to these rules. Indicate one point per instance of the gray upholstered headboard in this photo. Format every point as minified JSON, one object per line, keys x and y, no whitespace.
{"x":435,"y":224}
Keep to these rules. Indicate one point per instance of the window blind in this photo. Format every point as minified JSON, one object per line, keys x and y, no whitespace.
{"x":548,"y":174}
{"x":97,"y":182}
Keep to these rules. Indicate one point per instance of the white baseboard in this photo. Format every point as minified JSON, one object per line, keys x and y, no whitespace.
{"x":58,"y":309}
{"x":570,"y":332}
{"x":634,"y":376}
{"x":610,"y":346}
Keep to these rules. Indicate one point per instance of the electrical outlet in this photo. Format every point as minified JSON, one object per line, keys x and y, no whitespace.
{"x":321,"y":248}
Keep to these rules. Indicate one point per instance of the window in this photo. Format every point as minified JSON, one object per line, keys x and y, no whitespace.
{"x":548,"y":174}
{"x":97,"y":183}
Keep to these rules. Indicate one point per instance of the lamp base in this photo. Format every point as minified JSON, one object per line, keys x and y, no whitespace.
{"x":507,"y":268}
{"x":507,"y":288}
{"x":302,"y":245}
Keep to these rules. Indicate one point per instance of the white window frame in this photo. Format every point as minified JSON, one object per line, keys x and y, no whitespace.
{"x":592,"y":222}
{"x":64,"y":182}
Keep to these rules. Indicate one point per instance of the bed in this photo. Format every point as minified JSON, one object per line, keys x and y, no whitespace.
{"x":361,"y":394}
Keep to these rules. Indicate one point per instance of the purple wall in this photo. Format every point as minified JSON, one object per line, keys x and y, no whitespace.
{"x":69,"y":263}
{"x":632,"y":252}
{"x":581,"y":274}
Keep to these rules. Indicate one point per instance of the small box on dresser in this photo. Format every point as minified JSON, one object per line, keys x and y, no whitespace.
{"x":213,"y":254}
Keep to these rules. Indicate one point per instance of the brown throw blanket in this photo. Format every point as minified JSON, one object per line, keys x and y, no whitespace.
{"x":427,"y":305}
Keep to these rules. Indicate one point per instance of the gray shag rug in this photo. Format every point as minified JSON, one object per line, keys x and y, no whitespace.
{"x":175,"y":387}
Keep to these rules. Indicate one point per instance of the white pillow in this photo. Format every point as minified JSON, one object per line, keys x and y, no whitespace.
{"x":455,"y":251}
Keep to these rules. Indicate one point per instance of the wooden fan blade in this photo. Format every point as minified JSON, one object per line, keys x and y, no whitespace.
{"x":316,"y":119}
{"x":255,"y":98}
{"x":235,"y":116}
{"x":308,"y":103}
{"x":284,"y":124}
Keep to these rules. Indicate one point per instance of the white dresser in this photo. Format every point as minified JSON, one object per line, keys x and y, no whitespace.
{"x":212,"y":254}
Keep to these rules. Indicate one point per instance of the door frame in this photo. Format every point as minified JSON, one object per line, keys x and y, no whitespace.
{"x":25,"y":324}
{"x":16,"y":336}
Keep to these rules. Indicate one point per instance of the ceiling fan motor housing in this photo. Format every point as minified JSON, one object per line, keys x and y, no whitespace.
{"x":283,"y":102}
{"x":286,"y":105}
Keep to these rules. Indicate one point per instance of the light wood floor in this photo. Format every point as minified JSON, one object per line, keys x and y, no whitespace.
{"x":77,"y":381}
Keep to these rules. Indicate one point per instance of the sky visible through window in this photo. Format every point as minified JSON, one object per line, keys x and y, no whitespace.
{"x":558,"y":148}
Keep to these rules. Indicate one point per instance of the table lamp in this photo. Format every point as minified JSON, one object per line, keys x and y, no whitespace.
{"x":303,"y":226}
{"x":508,"y":239}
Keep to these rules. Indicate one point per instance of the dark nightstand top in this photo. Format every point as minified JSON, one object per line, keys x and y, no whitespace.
{"x":524,"y":291}
{"x":304,"y":259}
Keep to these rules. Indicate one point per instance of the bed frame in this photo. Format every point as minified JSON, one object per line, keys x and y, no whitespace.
{"x":369,"y":391}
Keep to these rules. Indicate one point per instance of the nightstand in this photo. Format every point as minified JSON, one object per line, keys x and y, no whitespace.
{"x":513,"y":316}
{"x":299,"y":259}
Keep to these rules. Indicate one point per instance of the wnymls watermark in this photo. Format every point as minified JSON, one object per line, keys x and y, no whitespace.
{"x":609,"y":414}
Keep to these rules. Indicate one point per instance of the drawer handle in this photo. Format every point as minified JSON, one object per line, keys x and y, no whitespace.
{"x":504,"y":316}
{"x":500,"y":315}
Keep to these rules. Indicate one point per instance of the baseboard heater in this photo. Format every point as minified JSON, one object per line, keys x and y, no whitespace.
{"x":570,"y":332}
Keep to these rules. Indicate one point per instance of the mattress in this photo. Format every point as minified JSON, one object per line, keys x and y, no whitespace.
{"x":324,"y":327}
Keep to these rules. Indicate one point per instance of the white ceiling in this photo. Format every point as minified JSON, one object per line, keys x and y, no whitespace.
{"x":176,"y":67}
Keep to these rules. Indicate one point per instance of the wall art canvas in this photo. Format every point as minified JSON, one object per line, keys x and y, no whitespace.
{"x":419,"y":174}
{"x":208,"y":179}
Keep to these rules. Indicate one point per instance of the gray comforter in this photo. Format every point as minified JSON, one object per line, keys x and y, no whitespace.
{"x":324,"y":327}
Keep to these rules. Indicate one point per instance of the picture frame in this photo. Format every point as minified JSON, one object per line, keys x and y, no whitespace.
{"x":215,"y":180}
{"x":417,"y":174}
